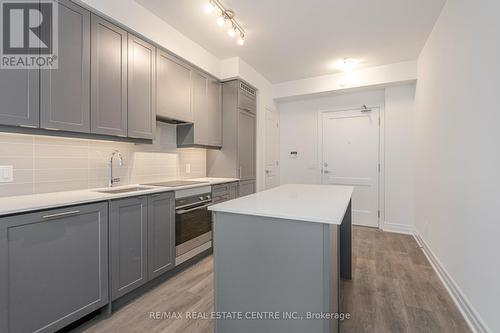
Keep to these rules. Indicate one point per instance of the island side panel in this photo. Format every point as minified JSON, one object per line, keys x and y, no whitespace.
{"x":332,"y":273}
{"x":346,"y":245}
{"x":275,"y":265}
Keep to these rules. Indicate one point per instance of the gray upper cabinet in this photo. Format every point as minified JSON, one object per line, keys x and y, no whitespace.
{"x":128,"y":244}
{"x":19,"y":93}
{"x":65,"y":91}
{"x":200,"y":108}
{"x":214,"y":121}
{"x":53,"y":267}
{"x":246,"y":144}
{"x":206,"y":129}
{"x":161,"y":233}
{"x":141,"y":88}
{"x":173,"y":89}
{"x":109,"y":78}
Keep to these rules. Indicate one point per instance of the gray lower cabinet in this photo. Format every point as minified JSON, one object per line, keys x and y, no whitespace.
{"x":173,"y":88}
{"x":141,"y":88}
{"x":53,"y":267}
{"x":65,"y":91}
{"x":19,"y":93}
{"x":225,"y":192}
{"x":142,"y":237}
{"x":128,"y":244}
{"x":247,"y":187}
{"x":161,"y":233}
{"x":109,"y":78}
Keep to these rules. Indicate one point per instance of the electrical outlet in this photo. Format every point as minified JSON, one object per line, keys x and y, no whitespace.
{"x":6,"y":174}
{"x":188,"y":168}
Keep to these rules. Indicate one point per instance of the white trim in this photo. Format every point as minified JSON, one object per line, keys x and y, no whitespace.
{"x":470,"y":315}
{"x":398,"y":228}
{"x":381,"y":152}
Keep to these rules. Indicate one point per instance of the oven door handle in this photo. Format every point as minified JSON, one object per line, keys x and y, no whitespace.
{"x":190,"y":204}
{"x":184,"y":211}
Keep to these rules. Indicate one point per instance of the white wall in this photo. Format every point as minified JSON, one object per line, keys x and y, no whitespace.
{"x":391,"y":74}
{"x":458,"y":161}
{"x":299,"y":132}
{"x":399,"y":158}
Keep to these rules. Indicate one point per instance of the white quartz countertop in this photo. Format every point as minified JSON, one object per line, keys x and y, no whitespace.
{"x":33,"y":202}
{"x":303,"y":202}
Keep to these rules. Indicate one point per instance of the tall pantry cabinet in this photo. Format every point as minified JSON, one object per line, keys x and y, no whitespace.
{"x":237,"y":157}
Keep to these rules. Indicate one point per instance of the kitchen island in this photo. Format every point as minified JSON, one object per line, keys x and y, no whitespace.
{"x":278,"y":259}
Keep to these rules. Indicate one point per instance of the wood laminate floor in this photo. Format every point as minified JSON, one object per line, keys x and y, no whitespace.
{"x":394,"y":289}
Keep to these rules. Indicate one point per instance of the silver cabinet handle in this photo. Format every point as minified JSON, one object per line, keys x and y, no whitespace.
{"x":240,"y":171}
{"x":51,"y":216}
{"x":184,"y":211}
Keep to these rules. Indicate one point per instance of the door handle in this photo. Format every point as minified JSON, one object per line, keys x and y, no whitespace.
{"x":184,"y":211}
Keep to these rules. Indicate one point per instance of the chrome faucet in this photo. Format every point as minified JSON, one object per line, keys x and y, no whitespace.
{"x":112,"y":180}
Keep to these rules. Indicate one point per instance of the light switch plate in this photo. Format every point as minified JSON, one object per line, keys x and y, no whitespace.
{"x":188,"y":168}
{"x":6,"y":174}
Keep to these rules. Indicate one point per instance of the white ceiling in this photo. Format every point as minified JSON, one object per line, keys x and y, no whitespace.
{"x":290,"y":40}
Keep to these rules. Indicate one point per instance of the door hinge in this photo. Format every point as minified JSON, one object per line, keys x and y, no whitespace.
{"x":379,"y":214}
{"x":379,"y":167}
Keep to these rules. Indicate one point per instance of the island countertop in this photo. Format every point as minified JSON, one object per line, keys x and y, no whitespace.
{"x":302,"y":202}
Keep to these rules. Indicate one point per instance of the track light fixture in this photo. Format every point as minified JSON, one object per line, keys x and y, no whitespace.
{"x":226,"y":15}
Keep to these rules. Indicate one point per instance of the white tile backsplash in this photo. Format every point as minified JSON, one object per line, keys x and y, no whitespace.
{"x":49,"y":164}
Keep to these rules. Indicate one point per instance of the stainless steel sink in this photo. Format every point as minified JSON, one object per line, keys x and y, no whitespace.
{"x":124,"y":190}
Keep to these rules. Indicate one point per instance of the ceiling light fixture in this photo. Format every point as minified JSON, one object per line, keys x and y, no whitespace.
{"x":221,"y":21}
{"x":226,"y":15}
{"x":231,"y":32}
{"x":347,"y":64}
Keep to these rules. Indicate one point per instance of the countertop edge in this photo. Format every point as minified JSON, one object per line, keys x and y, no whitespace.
{"x":98,"y":197}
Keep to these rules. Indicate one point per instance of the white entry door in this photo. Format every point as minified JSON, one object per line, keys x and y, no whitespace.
{"x":350,"y":144}
{"x":272,"y":148}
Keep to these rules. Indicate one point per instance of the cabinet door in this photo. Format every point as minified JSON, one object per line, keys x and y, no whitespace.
{"x":173,"y":89}
{"x":246,"y":145}
{"x":200,"y":108}
{"x":128,"y":227}
{"x":161,"y":233}
{"x":214,"y":122}
{"x":246,"y":188}
{"x":19,"y":93}
{"x":53,"y":267}
{"x":234,"y":191}
{"x":141,"y":88}
{"x":109,"y":78}
{"x":65,"y":91}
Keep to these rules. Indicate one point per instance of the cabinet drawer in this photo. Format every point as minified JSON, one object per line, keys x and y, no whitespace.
{"x":221,"y":198}
{"x":220,"y":189}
